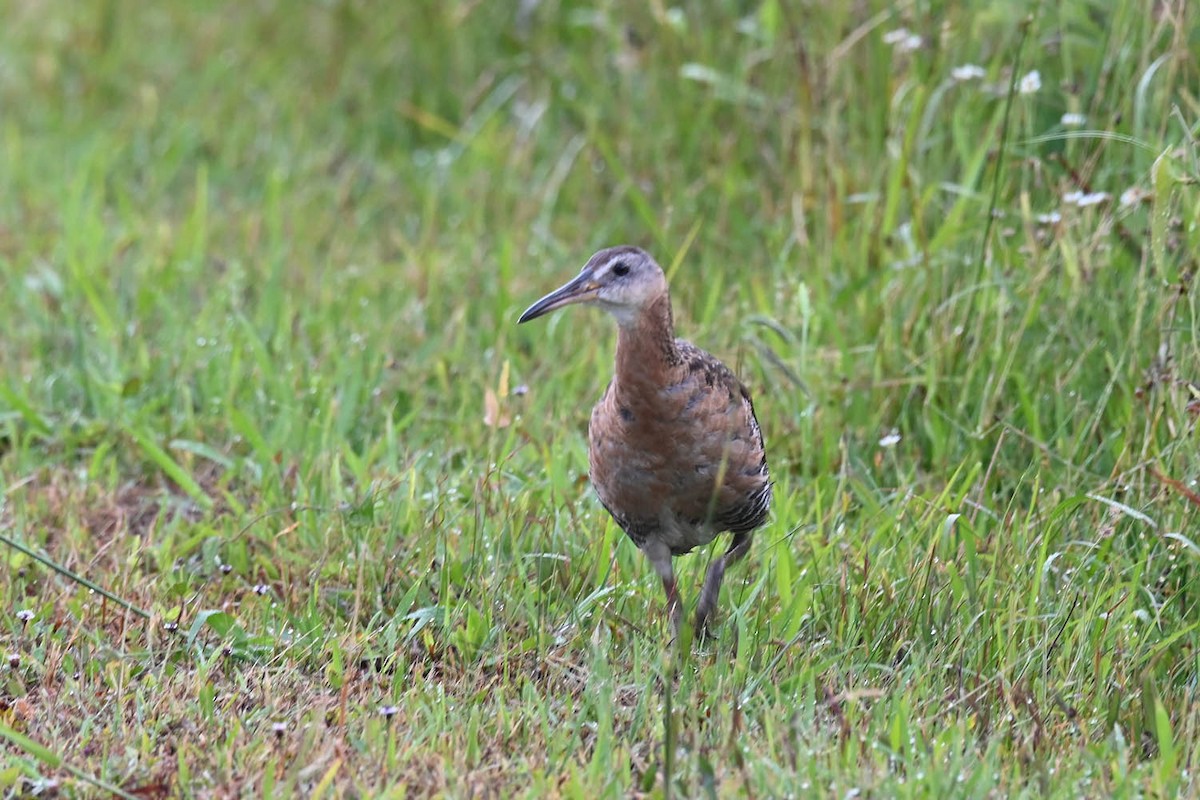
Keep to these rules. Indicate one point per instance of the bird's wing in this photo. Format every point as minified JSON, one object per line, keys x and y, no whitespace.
{"x":724,"y":446}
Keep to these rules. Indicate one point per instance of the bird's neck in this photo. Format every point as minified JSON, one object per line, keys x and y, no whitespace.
{"x":646,"y":344}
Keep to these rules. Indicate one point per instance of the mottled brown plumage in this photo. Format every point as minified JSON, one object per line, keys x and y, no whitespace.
{"x":675,"y":452}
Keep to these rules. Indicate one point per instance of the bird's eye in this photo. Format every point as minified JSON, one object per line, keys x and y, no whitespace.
{"x":620,"y":269}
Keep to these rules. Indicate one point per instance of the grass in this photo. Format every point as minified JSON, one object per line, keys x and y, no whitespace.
{"x":290,"y":506}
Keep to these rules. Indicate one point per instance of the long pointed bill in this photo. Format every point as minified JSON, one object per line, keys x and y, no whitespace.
{"x":578,"y":290}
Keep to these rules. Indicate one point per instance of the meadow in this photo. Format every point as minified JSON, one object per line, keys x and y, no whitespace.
{"x":290,"y":506}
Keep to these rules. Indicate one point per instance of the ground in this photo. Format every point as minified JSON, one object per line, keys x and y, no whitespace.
{"x":290,"y":506}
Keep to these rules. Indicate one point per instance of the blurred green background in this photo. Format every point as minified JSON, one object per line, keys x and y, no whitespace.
{"x":260,"y":381}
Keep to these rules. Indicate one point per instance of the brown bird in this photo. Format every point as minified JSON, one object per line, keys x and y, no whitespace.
{"x":675,"y":452}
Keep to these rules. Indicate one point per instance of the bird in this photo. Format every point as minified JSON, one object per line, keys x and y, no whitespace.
{"x":675,"y":452}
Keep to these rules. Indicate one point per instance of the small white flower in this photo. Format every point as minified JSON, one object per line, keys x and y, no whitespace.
{"x":1030,"y":83}
{"x":904,"y":40}
{"x":1092,"y":198}
{"x":1052,"y":218}
{"x":968,"y":72}
{"x":891,"y":440}
{"x":1073,"y":120}
{"x":1134,"y":195}
{"x":24,"y":615}
{"x":1083,"y":200}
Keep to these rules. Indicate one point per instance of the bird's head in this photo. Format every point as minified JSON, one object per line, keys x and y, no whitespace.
{"x":621,"y":280}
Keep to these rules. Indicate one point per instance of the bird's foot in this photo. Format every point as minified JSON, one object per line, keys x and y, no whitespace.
{"x":703,"y":625}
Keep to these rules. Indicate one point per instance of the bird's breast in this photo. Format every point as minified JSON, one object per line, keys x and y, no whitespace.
{"x":662,"y":458}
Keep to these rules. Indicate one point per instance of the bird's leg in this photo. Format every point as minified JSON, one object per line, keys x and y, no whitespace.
{"x":674,"y":606}
{"x":660,"y":556}
{"x":738,"y":547}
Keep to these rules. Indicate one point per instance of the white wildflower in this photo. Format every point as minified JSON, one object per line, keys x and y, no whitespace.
{"x":891,"y":440}
{"x":1073,"y":120}
{"x":968,"y":72}
{"x":904,"y":40}
{"x":1134,"y":195}
{"x":1092,"y":199}
{"x":1085,"y":199}
{"x":1052,"y":218}
{"x":1030,"y":83}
